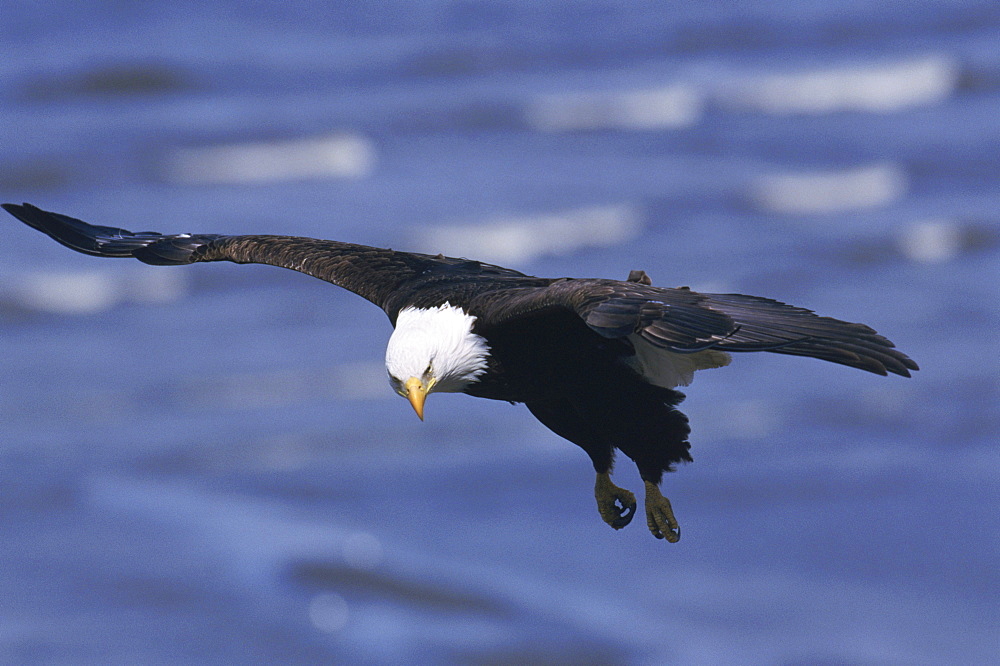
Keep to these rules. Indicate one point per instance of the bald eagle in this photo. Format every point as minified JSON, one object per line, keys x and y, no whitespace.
{"x":596,"y":361}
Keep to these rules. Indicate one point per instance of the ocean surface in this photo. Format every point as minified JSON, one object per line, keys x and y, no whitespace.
{"x":206,"y":464}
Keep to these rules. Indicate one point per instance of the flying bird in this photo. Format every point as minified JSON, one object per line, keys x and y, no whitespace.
{"x":597,"y":361}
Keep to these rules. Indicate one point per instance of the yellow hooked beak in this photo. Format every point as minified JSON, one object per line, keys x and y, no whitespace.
{"x":416,"y":393}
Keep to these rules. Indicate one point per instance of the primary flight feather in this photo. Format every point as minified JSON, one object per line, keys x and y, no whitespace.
{"x":596,"y":361}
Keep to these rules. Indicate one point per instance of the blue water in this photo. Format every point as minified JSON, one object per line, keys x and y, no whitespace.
{"x":206,"y":464}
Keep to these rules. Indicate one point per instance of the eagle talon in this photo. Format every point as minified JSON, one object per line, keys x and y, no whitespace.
{"x":616,"y":505}
{"x":625,"y":515}
{"x":660,"y":516}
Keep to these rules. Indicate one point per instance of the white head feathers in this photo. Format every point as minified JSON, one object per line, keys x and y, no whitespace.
{"x":437,"y":346}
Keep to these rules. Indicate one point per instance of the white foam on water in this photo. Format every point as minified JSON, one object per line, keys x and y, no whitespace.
{"x":330,"y":156}
{"x":87,"y":292}
{"x":522,"y":239}
{"x":873,"y":87}
{"x":830,"y":191}
{"x":68,"y":293}
{"x":931,"y":241}
{"x":637,"y":109}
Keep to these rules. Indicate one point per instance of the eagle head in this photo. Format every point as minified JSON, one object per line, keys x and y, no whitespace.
{"x":434,"y":349}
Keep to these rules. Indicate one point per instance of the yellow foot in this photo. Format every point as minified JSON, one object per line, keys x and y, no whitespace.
{"x":659,"y":515}
{"x":619,"y":514}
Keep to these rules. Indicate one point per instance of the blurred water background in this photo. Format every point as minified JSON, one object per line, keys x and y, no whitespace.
{"x":207,"y":465}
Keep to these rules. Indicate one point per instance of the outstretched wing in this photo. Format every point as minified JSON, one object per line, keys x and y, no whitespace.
{"x":377,"y":274}
{"x":684,"y":321}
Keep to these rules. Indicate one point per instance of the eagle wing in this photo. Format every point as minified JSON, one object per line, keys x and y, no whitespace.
{"x":684,"y":321}
{"x":677,"y":320}
{"x":380,"y":275}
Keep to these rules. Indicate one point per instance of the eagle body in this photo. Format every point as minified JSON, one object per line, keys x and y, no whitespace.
{"x":597,"y":361}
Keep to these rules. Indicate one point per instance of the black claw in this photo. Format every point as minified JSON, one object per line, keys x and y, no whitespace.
{"x":625,"y":518}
